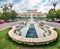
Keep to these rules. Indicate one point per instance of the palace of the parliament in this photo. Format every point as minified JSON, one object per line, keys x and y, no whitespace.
{"x":34,"y":13}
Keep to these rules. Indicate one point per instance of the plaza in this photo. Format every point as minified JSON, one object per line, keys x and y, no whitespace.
{"x":32,"y":24}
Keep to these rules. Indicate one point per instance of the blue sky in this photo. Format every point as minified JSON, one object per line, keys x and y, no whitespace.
{"x":23,"y":5}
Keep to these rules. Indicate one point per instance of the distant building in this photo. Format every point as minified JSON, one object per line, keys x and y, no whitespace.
{"x":34,"y":13}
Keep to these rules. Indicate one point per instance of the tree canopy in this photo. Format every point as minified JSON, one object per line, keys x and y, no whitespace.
{"x":53,"y":14}
{"x":6,"y":15}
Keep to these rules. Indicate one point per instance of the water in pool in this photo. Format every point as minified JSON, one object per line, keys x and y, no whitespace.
{"x":31,"y":33}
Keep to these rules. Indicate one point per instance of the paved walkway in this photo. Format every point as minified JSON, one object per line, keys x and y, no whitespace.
{"x":7,"y":25}
{"x":30,"y":48}
{"x":53,"y":24}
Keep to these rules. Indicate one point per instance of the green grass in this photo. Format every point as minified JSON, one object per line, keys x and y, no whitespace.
{"x":7,"y":43}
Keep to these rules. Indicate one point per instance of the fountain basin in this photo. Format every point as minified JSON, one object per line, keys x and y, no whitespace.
{"x":33,"y":41}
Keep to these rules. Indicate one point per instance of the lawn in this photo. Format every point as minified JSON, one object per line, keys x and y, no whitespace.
{"x":7,"y":43}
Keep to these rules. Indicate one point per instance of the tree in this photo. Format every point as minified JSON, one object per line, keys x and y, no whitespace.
{"x":54,"y":5}
{"x":51,"y":15}
{"x":9,"y":15}
{"x":58,"y":14}
{"x":6,"y":15}
{"x":0,"y":15}
{"x":51,"y":10}
{"x":13,"y":14}
{"x":5,"y":8}
{"x":54,"y":15}
{"x":11,"y":5}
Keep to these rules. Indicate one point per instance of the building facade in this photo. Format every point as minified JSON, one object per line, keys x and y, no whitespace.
{"x":33,"y":13}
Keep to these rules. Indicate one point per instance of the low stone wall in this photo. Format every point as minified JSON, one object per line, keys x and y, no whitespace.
{"x":33,"y":41}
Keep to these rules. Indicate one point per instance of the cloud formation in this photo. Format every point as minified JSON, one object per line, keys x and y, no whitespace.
{"x":40,"y":5}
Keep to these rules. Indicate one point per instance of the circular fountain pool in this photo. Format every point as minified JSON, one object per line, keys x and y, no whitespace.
{"x":33,"y":33}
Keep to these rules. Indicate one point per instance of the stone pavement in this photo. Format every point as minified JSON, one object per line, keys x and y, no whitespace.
{"x":53,"y":24}
{"x":30,"y":48}
{"x":7,"y":25}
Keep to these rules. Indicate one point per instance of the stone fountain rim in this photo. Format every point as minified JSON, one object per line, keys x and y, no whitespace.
{"x":49,"y":38}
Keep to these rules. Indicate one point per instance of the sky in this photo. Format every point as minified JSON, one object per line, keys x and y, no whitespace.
{"x":23,"y":5}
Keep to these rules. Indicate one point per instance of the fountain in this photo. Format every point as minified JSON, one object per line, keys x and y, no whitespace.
{"x":33,"y":33}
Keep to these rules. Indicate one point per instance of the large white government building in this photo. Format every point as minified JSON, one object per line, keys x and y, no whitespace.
{"x":34,"y":13}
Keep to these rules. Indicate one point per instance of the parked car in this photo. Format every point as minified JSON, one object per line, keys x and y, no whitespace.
{"x":57,"y":21}
{"x":2,"y":21}
{"x":49,"y":20}
{"x":10,"y":20}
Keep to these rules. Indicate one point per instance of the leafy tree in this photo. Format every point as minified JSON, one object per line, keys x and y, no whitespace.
{"x":51,"y":15}
{"x":54,"y":5}
{"x":13,"y":14}
{"x":5,"y":8}
{"x":51,"y":10}
{"x":58,"y":14}
{"x":9,"y":15}
{"x":0,"y":15}
{"x":6,"y":15}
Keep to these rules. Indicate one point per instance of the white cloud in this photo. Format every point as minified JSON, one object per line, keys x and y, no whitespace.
{"x":58,"y":6}
{"x":40,"y":5}
{"x":16,"y":7}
